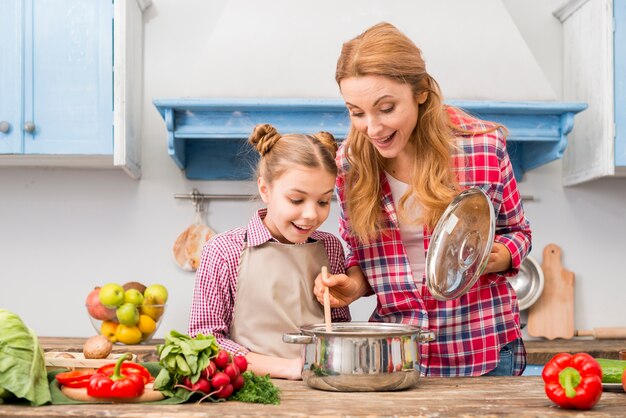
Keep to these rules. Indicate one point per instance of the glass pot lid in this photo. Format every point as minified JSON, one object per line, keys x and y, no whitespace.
{"x":460,"y":245}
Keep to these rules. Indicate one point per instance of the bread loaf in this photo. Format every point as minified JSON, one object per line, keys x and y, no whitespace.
{"x":188,"y":246}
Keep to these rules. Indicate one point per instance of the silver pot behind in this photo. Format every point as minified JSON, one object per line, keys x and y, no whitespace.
{"x":360,"y":356}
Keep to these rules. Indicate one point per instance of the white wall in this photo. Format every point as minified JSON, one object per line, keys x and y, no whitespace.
{"x":63,"y":231}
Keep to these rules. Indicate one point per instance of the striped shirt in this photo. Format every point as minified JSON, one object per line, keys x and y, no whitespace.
{"x":471,"y":329}
{"x":215,"y":286}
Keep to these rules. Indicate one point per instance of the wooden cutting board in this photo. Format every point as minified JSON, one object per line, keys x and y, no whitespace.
{"x":552,"y":316}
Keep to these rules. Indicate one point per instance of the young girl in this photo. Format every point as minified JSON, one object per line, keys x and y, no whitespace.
{"x":255,"y":283}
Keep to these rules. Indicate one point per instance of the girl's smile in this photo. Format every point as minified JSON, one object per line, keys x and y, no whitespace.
{"x":298,"y":202}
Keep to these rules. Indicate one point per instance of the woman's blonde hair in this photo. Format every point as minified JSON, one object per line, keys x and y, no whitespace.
{"x":385,"y":51}
{"x":281,"y":152}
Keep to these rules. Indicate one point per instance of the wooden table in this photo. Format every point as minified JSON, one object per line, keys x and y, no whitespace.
{"x":445,"y":397}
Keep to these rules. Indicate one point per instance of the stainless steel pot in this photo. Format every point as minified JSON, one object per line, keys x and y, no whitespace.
{"x":360,"y":356}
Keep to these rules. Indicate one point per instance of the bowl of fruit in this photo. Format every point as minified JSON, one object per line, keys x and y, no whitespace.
{"x":127,"y":314}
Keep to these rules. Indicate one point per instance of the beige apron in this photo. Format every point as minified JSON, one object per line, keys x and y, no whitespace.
{"x":275,"y":295}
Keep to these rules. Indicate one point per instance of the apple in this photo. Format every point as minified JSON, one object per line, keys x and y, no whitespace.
{"x":155,"y":294}
{"x":96,"y":309}
{"x":111,"y":295}
{"x":133,"y":296}
{"x":127,"y":314}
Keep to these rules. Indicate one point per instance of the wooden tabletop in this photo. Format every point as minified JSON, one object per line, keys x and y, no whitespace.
{"x":445,"y":397}
{"x":467,"y":397}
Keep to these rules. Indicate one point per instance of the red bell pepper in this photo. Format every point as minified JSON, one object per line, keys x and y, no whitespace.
{"x":573,"y":381}
{"x":127,"y":368}
{"x":75,"y":378}
{"x":117,"y":385}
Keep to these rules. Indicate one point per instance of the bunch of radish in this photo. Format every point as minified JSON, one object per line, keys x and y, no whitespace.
{"x":222,"y":377}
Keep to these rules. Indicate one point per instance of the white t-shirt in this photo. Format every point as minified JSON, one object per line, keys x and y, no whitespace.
{"x":412,"y":235}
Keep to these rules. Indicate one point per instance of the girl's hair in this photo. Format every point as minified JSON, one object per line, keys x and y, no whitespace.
{"x":281,"y":152}
{"x":385,"y":51}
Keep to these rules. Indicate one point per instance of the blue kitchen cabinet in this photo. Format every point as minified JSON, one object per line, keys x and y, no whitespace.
{"x":207,"y":137}
{"x":594,"y":71}
{"x":62,"y":99}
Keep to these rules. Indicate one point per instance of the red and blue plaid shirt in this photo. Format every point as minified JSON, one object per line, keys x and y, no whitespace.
{"x":471,"y":329}
{"x":215,"y":287}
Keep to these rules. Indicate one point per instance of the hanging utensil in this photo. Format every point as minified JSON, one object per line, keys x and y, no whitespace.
{"x":188,"y":246}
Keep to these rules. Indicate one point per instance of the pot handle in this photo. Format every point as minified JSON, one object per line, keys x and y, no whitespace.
{"x":426,"y":336}
{"x":294,"y":338}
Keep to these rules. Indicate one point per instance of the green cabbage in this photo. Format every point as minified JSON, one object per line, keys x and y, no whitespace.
{"x":22,"y":364}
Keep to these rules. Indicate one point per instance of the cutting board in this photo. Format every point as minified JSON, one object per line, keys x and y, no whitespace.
{"x":552,"y":316}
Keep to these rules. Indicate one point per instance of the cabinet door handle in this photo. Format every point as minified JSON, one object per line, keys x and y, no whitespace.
{"x":5,"y":127}
{"x":29,"y":127}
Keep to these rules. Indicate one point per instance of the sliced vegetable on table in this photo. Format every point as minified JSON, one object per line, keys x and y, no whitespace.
{"x":75,"y":378}
{"x":573,"y":381}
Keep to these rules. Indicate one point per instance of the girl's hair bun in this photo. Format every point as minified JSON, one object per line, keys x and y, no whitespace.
{"x":263,"y":137}
{"x":328,"y":140}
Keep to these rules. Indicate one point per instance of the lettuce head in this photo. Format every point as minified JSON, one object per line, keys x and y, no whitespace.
{"x":22,"y":364}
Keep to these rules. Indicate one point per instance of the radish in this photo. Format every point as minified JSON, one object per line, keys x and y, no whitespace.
{"x":210,"y":370}
{"x":241,"y":362}
{"x":225,"y":392}
{"x":239,"y":382}
{"x":202,"y":385}
{"x":186,"y":382}
{"x":232,"y":371}
{"x":219,"y":380}
{"x":221,"y":359}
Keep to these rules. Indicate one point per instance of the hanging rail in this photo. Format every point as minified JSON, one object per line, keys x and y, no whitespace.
{"x":196,"y":195}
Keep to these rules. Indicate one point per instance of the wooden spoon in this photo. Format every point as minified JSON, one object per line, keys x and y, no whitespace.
{"x":327,"y":320}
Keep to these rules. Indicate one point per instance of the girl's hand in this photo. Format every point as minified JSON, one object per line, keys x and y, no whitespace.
{"x":277,"y":367}
{"x":344,"y":289}
{"x":499,"y":259}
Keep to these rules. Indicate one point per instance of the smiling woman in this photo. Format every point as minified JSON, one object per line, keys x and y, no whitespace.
{"x":407,"y":156}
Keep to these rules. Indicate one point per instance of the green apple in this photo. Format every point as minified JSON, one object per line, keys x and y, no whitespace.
{"x":111,"y":295}
{"x":127,"y":314}
{"x":155,"y":294}
{"x":133,"y":296}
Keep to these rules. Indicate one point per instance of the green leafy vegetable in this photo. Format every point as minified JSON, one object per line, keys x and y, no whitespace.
{"x":22,"y":365}
{"x":181,"y":356}
{"x":257,"y":389}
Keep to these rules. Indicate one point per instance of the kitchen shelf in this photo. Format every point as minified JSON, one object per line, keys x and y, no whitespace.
{"x":207,"y":137}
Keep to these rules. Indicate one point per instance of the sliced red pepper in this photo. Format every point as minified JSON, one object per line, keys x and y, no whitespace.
{"x":117,"y":385}
{"x":75,"y":378}
{"x":573,"y":381}
{"x":127,"y":368}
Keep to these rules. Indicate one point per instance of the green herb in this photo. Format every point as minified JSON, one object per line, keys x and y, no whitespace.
{"x":257,"y":389}
{"x":22,"y":362}
{"x":181,"y":356}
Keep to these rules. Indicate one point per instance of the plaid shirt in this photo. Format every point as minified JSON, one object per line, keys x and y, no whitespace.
{"x":471,"y":329}
{"x":215,"y":287}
